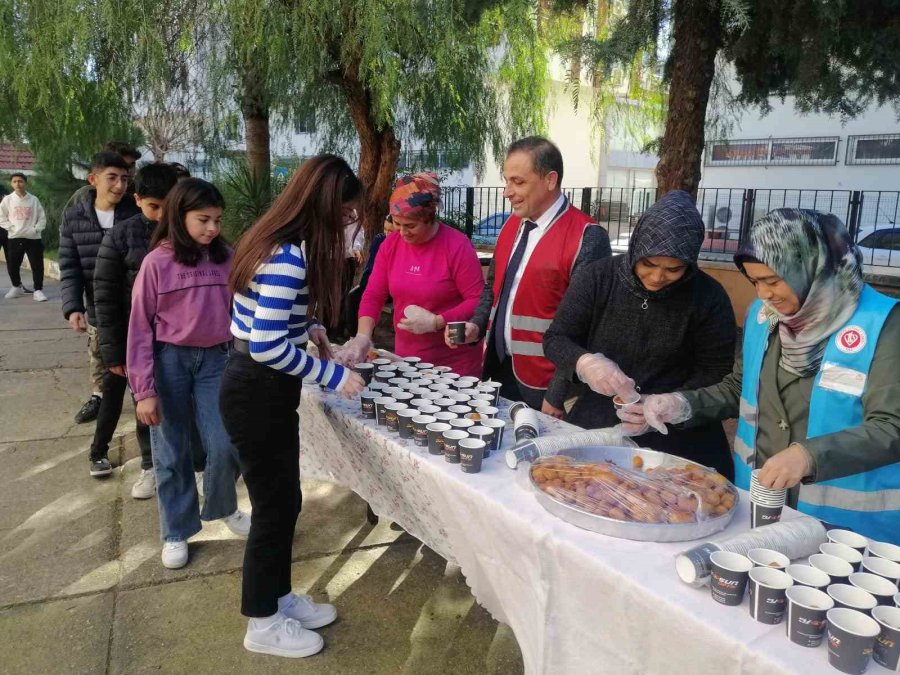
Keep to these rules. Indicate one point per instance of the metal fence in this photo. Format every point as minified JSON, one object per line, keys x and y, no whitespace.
{"x":870,"y":215}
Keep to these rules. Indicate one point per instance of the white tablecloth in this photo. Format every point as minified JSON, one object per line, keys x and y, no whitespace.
{"x":577,"y":601}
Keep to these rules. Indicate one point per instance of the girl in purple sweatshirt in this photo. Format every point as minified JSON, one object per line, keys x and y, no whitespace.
{"x":177,"y":350}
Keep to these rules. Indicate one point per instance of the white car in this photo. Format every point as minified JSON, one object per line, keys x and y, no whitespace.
{"x":880,"y":247}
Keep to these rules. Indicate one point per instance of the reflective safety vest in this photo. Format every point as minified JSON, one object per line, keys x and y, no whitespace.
{"x":541,"y":288}
{"x":867,"y":502}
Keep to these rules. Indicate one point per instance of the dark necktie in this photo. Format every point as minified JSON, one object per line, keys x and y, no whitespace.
{"x":503,"y":301}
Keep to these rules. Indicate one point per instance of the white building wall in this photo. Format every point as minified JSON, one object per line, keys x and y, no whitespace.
{"x":785,"y":122}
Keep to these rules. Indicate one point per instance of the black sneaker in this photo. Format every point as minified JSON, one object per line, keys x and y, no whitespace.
{"x":100,"y":467}
{"x":89,"y":410}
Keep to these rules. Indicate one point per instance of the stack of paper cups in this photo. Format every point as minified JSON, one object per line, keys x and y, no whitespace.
{"x":765,"y":504}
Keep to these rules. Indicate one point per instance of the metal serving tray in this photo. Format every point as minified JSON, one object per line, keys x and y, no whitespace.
{"x":627,"y":530}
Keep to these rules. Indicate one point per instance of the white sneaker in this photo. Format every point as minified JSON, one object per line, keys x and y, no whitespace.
{"x":14,"y":292}
{"x":145,"y":486}
{"x":238,"y":522}
{"x":310,"y":614}
{"x":285,"y":637}
{"x":175,"y":554}
{"x":198,"y":477}
{"x":39,"y":296}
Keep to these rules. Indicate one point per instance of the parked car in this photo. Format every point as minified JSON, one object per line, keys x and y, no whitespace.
{"x":487,"y":229}
{"x":880,"y":247}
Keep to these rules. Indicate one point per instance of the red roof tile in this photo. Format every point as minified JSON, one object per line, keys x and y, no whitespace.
{"x":15,"y":158}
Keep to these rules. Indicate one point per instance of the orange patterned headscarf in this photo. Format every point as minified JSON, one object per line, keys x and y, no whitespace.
{"x":416,"y":197}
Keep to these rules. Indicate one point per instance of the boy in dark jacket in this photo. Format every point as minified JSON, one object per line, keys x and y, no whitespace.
{"x":118,"y":262}
{"x":80,"y":235}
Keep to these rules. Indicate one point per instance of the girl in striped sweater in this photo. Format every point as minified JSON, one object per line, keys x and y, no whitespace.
{"x":286,"y":281}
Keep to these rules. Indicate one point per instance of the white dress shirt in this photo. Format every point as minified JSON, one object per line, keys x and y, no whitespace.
{"x":543,"y":224}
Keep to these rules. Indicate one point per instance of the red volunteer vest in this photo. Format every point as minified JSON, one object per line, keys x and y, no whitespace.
{"x":540,"y":290}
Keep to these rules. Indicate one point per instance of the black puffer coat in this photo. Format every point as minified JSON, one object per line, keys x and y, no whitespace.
{"x":80,"y":236}
{"x":680,"y":337}
{"x":118,"y":263}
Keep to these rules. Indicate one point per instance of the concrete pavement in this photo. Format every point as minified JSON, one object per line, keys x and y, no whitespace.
{"x":82,"y":589}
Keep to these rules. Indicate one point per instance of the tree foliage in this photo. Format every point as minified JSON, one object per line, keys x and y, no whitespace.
{"x":832,"y":57}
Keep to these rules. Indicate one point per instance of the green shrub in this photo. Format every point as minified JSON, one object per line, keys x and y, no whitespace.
{"x":247,"y":197}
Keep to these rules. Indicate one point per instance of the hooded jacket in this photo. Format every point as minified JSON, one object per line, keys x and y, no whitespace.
{"x":666,"y":340}
{"x":119,"y":260}
{"x":22,"y":217}
{"x":80,"y":236}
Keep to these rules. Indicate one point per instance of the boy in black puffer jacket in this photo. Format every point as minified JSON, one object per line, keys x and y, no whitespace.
{"x":118,"y":262}
{"x":80,"y":235}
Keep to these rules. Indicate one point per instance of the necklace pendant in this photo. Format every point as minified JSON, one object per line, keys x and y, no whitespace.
{"x":645,"y":305}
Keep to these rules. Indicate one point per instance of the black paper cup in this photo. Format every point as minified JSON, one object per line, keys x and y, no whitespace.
{"x":807,"y":575}
{"x":380,"y":402}
{"x":851,"y":640}
{"x":483,"y":433}
{"x":471,"y":453}
{"x":880,"y":588}
{"x":392,"y":416}
{"x":883,"y":568}
{"x":380,"y":363}
{"x":436,"y":437}
{"x":460,"y":410}
{"x":433,"y":396}
{"x":445,"y":403}
{"x":384,"y":376}
{"x":839,"y":570}
{"x":452,"y":439}
{"x":457,"y":332}
{"x":764,"y":515}
{"x":882,"y":549}
{"x":498,"y":427}
{"x":374,"y":385}
{"x":728,"y":577}
{"x":766,"y":557}
{"x":420,"y":429}
{"x":412,"y":360}
{"x":767,"y":594}
{"x":851,"y":597}
{"x":844,"y":552}
{"x":367,"y":404}
{"x":406,"y":422}
{"x":848,"y":538}
{"x":887,"y":644}
{"x":366,"y":370}
{"x":462,"y":424}
{"x":806,"y":615}
{"x":403,"y":397}
{"x":444,"y":416}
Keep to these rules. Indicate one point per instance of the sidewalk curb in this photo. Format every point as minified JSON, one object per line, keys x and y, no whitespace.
{"x":51,"y":267}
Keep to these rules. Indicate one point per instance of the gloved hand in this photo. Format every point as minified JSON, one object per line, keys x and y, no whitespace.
{"x":656,"y":411}
{"x":605,"y":377}
{"x":354,"y":351}
{"x":354,"y":384}
{"x":319,"y":337}
{"x":418,"y":320}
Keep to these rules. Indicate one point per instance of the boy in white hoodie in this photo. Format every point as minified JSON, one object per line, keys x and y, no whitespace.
{"x":23,"y":217}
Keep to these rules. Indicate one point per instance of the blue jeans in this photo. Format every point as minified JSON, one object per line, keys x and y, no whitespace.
{"x":183,"y":375}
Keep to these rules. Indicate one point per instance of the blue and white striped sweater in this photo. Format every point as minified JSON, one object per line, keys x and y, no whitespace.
{"x":271,"y":316}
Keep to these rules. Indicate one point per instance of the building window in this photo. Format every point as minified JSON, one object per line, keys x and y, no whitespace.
{"x":873,"y":149}
{"x":439,"y":160}
{"x":772,"y":152}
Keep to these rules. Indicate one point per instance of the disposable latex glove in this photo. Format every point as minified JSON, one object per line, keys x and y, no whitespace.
{"x":354,"y":384}
{"x":656,"y":411}
{"x":319,"y":337}
{"x":605,"y":377}
{"x":354,"y":351}
{"x":418,"y":320}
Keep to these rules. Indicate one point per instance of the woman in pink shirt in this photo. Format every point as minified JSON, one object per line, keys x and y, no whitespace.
{"x":433,"y":275}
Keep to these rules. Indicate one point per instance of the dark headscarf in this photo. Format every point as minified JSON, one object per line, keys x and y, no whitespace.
{"x":672,"y":227}
{"x":814,"y":254}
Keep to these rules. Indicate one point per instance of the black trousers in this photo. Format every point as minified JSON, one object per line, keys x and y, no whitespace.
{"x":18,"y":249}
{"x":108,"y":419}
{"x":259,"y":408}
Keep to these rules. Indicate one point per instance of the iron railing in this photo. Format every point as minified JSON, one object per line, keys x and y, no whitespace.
{"x":870,"y":215}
